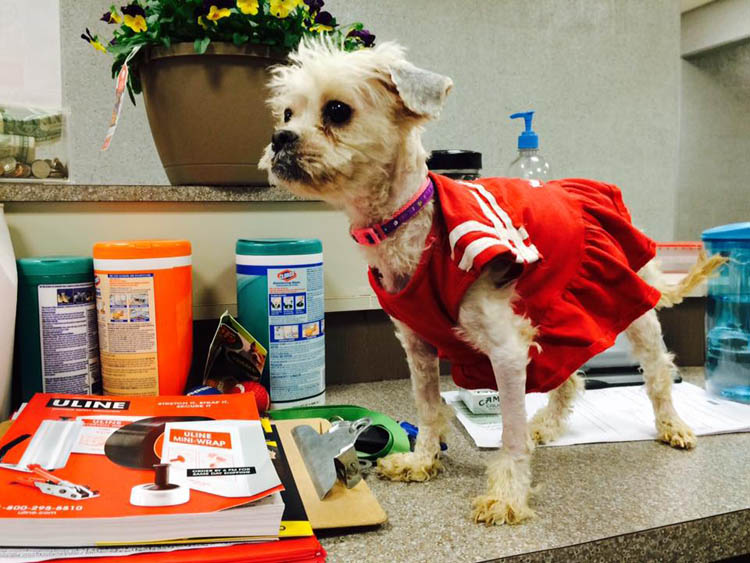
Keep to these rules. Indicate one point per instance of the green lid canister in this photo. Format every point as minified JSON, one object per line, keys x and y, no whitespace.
{"x":280,"y":302}
{"x":57,"y":346}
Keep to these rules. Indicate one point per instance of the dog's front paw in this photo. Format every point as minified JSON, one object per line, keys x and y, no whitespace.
{"x":676,"y":433}
{"x":411,"y":466}
{"x":490,"y":510}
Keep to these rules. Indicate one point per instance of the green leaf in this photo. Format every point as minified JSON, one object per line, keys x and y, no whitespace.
{"x":130,"y":93}
{"x":166,"y":41}
{"x":239,"y":38}
{"x":200,"y":45}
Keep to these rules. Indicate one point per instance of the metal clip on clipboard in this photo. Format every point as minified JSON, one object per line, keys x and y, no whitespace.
{"x":331,"y":455}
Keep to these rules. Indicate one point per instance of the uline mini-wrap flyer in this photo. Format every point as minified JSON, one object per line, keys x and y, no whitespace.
{"x":219,"y":457}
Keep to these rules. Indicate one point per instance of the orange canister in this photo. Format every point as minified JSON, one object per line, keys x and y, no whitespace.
{"x":145,"y":314}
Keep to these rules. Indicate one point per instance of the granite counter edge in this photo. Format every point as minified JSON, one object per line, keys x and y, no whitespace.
{"x":54,"y":193}
{"x":703,"y":539}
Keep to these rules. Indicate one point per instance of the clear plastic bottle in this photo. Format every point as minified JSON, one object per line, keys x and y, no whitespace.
{"x":529,"y":165}
{"x":728,"y":314}
{"x":8,"y":296}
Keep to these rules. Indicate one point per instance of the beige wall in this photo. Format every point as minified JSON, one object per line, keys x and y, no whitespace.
{"x":72,"y":228}
{"x":30,"y":52}
{"x":603,"y":76}
{"x":714,"y":186}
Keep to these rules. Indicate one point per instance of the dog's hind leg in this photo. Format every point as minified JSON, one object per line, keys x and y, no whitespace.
{"x":548,"y":423}
{"x":423,"y":463}
{"x":648,"y":347}
{"x":486,"y":320}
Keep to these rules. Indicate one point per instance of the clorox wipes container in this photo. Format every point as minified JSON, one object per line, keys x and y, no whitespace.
{"x":280,"y":302}
{"x":56,"y":342}
{"x":145,"y":312}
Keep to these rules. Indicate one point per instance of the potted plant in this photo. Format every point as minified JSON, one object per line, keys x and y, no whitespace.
{"x":202,"y":66}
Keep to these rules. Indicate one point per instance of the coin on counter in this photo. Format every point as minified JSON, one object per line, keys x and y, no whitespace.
{"x":7,"y":165}
{"x":40,"y":169}
{"x":22,"y":171}
{"x":59,"y":166}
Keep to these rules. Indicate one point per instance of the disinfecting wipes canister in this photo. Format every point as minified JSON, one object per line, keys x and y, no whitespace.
{"x":280,"y":302}
{"x":57,"y":350}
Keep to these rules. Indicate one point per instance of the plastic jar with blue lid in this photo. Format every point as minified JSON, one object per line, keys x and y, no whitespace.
{"x":280,"y":302}
{"x":728,"y":314}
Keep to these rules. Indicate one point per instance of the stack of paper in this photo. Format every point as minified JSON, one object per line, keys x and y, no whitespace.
{"x":71,"y":466}
{"x":619,"y":414}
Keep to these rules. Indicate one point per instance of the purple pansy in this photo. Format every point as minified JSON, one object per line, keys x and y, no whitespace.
{"x":133,"y":10}
{"x":324,"y":18}
{"x":314,"y":5}
{"x":364,"y":35}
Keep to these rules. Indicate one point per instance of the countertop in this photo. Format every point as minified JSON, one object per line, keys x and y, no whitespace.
{"x":632,"y":501}
{"x":50,"y":192}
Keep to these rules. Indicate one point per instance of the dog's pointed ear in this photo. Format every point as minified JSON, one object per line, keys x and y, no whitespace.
{"x":422,"y":92}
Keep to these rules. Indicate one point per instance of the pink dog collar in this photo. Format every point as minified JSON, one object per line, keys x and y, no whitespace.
{"x":375,"y":234}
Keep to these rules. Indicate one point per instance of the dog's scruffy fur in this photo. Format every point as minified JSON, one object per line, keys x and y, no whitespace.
{"x":365,"y":156}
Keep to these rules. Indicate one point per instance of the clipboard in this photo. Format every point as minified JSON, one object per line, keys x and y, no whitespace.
{"x":342,"y":507}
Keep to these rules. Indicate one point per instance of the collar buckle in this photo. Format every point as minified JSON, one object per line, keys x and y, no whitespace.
{"x":369,"y":236}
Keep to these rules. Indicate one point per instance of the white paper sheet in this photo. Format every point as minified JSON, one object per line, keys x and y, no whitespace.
{"x":34,"y":554}
{"x":618,"y":414}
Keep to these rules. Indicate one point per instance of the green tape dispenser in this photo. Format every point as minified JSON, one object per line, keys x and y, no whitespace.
{"x":384,"y":436}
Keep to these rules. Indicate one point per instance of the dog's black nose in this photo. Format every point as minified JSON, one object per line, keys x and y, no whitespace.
{"x":282,"y":138}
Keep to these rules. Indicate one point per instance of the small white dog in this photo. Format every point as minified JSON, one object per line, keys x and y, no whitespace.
{"x":349,"y":132}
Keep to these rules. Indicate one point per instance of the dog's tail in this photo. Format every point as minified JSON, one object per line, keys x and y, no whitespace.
{"x":673,"y":294}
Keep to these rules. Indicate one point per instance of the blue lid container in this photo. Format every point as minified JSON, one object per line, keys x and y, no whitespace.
{"x":728,"y":314}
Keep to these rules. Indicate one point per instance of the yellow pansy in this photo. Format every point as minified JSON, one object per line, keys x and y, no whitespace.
{"x":202,"y":22}
{"x":320,"y":28}
{"x":215,"y":13}
{"x":134,"y":16}
{"x":136,"y":23}
{"x":282,"y":8}
{"x":111,"y":17}
{"x":248,"y":6}
{"x":93,"y":40}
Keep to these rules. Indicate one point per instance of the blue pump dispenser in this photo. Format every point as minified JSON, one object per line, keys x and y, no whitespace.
{"x":529,"y":164}
{"x":528,"y":139}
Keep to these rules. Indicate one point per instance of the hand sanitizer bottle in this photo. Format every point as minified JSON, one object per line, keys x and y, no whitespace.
{"x":529,"y":165}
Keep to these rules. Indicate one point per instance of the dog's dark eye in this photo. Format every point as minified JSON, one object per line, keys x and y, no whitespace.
{"x":287,"y":115}
{"x":337,"y":112}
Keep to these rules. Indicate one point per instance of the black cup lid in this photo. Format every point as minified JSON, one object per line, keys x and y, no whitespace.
{"x":454,"y":160}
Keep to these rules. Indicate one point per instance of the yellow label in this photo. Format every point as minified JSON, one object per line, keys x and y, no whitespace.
{"x":127,"y":333}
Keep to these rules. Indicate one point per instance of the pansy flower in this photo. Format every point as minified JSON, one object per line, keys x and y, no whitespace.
{"x":93,"y":40}
{"x":248,"y":7}
{"x":111,"y":16}
{"x":364,"y":35}
{"x":134,"y":17}
{"x":214,"y":10}
{"x":282,"y":8}
{"x":314,"y":6}
{"x":323,"y":22}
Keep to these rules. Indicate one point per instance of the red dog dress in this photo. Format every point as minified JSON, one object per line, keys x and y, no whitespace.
{"x":578,"y":254}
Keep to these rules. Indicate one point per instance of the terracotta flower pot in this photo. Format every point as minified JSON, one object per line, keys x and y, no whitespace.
{"x":207,"y":112}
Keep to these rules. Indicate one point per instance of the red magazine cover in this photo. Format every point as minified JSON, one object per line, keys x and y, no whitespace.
{"x":298,"y":550}
{"x":147,"y":462}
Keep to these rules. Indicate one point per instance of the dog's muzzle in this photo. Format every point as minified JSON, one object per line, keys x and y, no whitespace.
{"x":282,"y":139}
{"x":284,"y":144}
